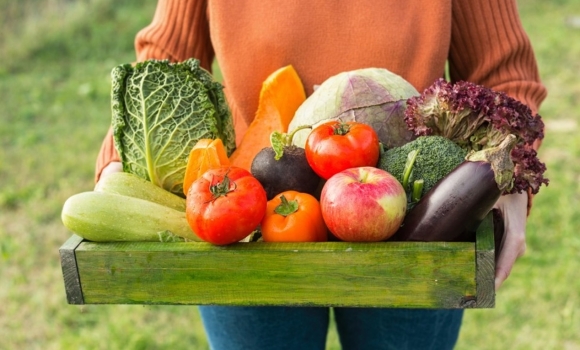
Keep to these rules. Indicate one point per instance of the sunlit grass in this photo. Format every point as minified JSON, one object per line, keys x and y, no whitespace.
{"x":54,"y":83}
{"x":539,"y":305}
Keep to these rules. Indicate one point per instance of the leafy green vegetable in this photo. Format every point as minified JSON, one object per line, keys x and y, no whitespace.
{"x":477,"y":117}
{"x":159,"y":111}
{"x":436,"y":157}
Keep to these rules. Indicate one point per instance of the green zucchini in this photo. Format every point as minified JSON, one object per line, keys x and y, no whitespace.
{"x":134,"y":186}
{"x":106,"y":217}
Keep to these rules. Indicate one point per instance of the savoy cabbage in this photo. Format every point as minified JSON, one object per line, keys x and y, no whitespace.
{"x":159,"y":111}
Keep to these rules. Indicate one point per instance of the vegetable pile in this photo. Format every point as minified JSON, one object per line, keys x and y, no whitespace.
{"x":476,"y":118}
{"x":364,"y":158}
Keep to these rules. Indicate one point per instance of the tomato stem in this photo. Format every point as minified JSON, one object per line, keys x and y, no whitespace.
{"x":221,"y":188}
{"x":341,"y":128}
{"x":286,"y":207}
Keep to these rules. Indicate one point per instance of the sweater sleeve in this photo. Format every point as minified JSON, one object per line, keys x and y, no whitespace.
{"x":490,"y":47}
{"x":179,"y":30}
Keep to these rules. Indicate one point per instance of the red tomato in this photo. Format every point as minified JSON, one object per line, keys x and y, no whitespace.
{"x":225,"y":205}
{"x":336,"y":146}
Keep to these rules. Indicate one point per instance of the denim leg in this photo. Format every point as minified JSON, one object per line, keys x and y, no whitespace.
{"x":267,"y":328}
{"x":398,"y":329}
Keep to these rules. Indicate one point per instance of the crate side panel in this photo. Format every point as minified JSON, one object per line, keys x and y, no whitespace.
{"x":70,"y":273}
{"x":436,"y":275}
{"x":485,"y":264}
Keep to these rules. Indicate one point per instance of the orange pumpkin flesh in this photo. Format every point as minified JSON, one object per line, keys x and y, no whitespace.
{"x":205,"y":155}
{"x":281,"y":95}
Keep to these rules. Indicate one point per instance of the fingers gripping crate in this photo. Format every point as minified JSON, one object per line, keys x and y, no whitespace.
{"x":385,"y":274}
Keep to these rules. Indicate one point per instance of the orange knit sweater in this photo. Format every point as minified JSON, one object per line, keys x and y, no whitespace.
{"x":482,"y":40}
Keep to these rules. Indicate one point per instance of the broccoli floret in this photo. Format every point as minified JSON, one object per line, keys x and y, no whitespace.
{"x":437,"y":156}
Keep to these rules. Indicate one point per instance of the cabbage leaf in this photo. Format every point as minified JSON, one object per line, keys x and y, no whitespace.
{"x":374,"y":96}
{"x":159,"y":112}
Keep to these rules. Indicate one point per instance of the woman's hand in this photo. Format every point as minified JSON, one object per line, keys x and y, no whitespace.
{"x":514,"y":211}
{"x":113,"y":167}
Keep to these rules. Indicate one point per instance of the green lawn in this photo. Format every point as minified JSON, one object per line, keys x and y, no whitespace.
{"x":54,"y":80}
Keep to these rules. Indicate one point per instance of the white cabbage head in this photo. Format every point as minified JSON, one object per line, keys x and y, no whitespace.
{"x":374,"y":96}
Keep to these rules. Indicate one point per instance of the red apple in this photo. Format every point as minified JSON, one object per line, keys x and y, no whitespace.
{"x":363,"y":204}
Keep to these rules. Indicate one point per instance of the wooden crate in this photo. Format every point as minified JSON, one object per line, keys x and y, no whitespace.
{"x":386,"y":274}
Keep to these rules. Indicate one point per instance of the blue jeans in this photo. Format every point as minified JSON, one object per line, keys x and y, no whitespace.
{"x":305,"y":328}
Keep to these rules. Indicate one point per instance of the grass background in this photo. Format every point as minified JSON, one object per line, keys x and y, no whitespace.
{"x":55,"y":59}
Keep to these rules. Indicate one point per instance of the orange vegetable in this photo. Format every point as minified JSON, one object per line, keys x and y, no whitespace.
{"x":293,"y":216}
{"x":205,"y":155}
{"x":281,"y":95}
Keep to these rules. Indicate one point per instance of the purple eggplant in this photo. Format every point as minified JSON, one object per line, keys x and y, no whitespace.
{"x":453,"y":209}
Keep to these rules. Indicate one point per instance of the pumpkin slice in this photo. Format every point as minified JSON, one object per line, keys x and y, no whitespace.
{"x":206,"y":154}
{"x":281,"y":95}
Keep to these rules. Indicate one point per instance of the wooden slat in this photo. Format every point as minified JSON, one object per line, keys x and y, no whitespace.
{"x":387,"y":274}
{"x":334,"y":273}
{"x":485,"y":263}
{"x":70,"y":273}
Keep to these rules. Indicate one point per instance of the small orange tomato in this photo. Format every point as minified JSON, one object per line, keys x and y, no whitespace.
{"x":293,"y":216}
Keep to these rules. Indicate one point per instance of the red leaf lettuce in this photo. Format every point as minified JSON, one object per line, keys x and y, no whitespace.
{"x":476,"y":117}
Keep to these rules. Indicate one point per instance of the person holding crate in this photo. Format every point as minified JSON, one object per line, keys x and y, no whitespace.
{"x":480,"y":41}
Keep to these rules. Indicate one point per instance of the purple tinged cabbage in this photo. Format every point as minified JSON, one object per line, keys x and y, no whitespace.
{"x":159,"y":112}
{"x":374,"y":96}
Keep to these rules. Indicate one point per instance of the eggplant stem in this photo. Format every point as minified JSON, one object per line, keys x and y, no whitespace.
{"x":499,"y":157}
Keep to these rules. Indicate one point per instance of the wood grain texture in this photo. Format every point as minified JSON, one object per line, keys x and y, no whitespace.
{"x":386,"y":274}
{"x":337,"y":273}
{"x":485,"y":264}
{"x":70,"y":273}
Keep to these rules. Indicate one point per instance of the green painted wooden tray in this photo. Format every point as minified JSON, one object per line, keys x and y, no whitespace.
{"x":386,"y":274}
